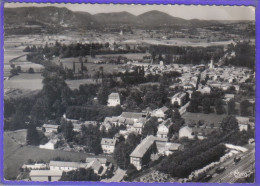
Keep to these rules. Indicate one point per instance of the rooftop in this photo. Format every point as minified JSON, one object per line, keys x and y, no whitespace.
{"x":67,"y":164}
{"x":108,"y":141}
{"x":50,"y":126}
{"x":142,"y":148}
{"x":45,"y":173}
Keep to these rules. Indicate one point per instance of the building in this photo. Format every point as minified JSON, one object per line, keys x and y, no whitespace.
{"x":141,"y":155}
{"x":180,"y":98}
{"x":66,"y":166}
{"x":186,"y":132}
{"x":163,"y":129}
{"x":50,"y":145}
{"x":160,"y":113}
{"x":108,"y":145}
{"x":36,"y":166}
{"x":49,"y":128}
{"x":228,"y":97}
{"x":138,"y":127}
{"x":113,"y":100}
{"x":45,"y":175}
{"x":96,"y":166}
{"x":243,"y":123}
{"x":103,"y":161}
{"x":167,"y":148}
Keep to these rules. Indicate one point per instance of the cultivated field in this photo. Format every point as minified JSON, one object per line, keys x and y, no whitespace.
{"x":24,"y":81}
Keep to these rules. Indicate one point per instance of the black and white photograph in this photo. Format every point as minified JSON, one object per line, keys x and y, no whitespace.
{"x":129,"y":93}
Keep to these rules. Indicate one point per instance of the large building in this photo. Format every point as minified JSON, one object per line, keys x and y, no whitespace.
{"x":180,"y":98}
{"x":113,"y":100}
{"x":141,"y":155}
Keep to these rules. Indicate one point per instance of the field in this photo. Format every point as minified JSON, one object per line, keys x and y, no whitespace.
{"x":16,"y":155}
{"x":24,"y":81}
{"x":208,"y":118}
{"x":91,"y":67}
{"x":18,"y":136}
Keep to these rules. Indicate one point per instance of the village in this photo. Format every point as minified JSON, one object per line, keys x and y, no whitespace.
{"x":121,"y":102}
{"x":153,"y":146}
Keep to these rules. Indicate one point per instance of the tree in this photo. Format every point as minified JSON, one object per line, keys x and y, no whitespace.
{"x":80,"y":174}
{"x":124,"y":149}
{"x":102,"y":95}
{"x":150,"y":127}
{"x":244,"y":108}
{"x":67,"y":129}
{"x":31,"y":70}
{"x":219,"y":106}
{"x":32,"y":137}
{"x":229,"y":123}
{"x":206,"y":105}
{"x":19,"y":69}
{"x":231,"y":107}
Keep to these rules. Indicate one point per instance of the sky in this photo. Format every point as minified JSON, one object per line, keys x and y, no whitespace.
{"x":182,"y":11}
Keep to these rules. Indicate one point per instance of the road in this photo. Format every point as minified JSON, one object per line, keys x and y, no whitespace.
{"x":235,"y":171}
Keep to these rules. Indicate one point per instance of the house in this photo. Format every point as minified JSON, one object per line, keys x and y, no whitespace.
{"x":204,"y":89}
{"x":186,"y":132}
{"x":228,"y":97}
{"x":66,"y":166}
{"x":142,"y":153}
{"x":113,"y":100}
{"x":243,"y":123}
{"x":103,"y":161}
{"x":45,"y":175}
{"x":167,"y":148}
{"x":180,"y":98}
{"x":49,"y":128}
{"x":200,"y":132}
{"x":160,"y":113}
{"x":138,"y":127}
{"x":96,"y":166}
{"x":133,"y":115}
{"x":163,"y":129}
{"x":50,"y":145}
{"x":106,"y":126}
{"x":108,"y":145}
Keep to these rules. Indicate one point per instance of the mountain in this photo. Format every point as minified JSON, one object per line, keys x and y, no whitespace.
{"x":45,"y":16}
{"x":116,"y":18}
{"x":54,"y":17}
{"x":155,"y":17}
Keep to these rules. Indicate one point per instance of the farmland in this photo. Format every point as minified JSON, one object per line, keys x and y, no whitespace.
{"x":24,"y":81}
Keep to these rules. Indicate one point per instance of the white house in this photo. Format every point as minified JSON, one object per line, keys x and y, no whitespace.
{"x":163,"y":129}
{"x":167,"y":148}
{"x":243,"y":123}
{"x":113,"y":100}
{"x":49,"y":128}
{"x":108,"y":145}
{"x":186,"y":132}
{"x":66,"y":166}
{"x":180,"y":98}
{"x":50,"y":145}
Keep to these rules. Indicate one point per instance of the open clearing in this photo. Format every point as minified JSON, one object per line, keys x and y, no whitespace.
{"x":208,"y":118}
{"x":16,"y":155}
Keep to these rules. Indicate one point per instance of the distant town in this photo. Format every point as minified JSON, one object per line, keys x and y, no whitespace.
{"x":121,"y":98}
